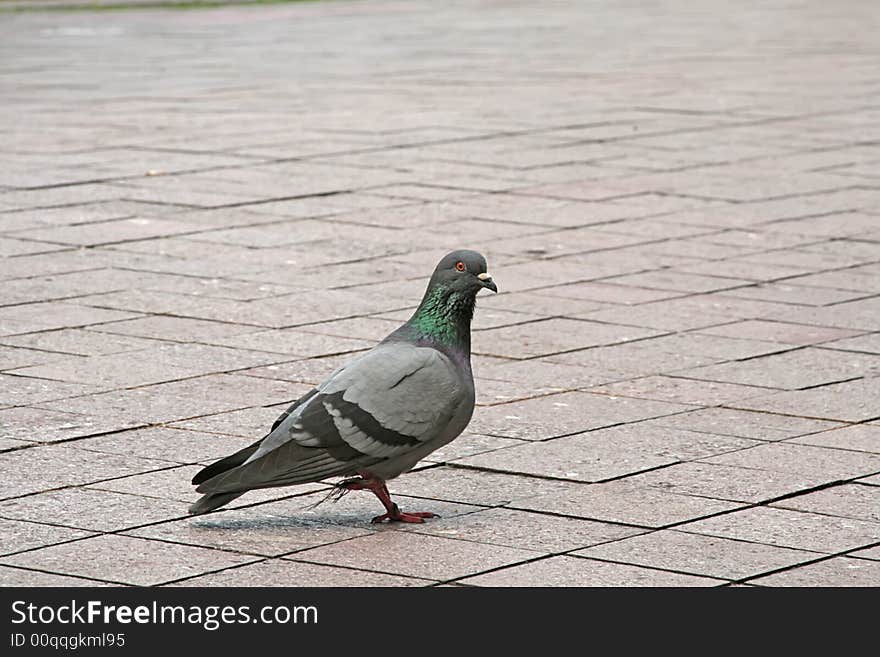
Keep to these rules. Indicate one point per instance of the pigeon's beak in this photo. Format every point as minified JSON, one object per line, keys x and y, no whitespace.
{"x":486,"y":281}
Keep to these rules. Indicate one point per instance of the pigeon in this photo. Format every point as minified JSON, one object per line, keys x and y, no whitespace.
{"x":380,"y":414}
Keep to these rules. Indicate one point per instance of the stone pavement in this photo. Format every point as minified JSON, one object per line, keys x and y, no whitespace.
{"x":203,"y":212}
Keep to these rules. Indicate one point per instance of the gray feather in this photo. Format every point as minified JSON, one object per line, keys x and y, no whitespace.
{"x":212,"y":501}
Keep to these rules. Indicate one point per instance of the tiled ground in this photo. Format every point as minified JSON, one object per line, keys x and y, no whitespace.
{"x":204,"y":212}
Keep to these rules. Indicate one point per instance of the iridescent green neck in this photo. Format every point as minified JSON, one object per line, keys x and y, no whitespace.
{"x":444,"y":317}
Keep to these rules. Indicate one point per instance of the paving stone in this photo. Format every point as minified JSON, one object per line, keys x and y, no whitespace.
{"x":178,"y":329}
{"x":859,"y":437}
{"x":803,"y":459}
{"x":807,"y":261}
{"x":797,"y":334}
{"x":848,"y":501}
{"x":309,"y":371}
{"x":635,"y":359}
{"x":786,"y":292}
{"x":372,"y":329}
{"x":249,"y":423}
{"x":575,"y":571}
{"x":565,"y":242}
{"x":544,"y":212}
{"x":525,"y":530}
{"x":217,"y":288}
{"x":365,"y":274}
{"x":721,"y":303}
{"x":698,"y":555}
{"x":608,"y":292}
{"x":678,"y":281}
{"x":91,"y":510}
{"x":662,"y":226}
{"x":471,"y":487}
{"x":90,"y":212}
{"x":294,"y":342}
{"x":179,"y":400}
{"x":78,"y":342}
{"x":167,"y":362}
{"x":869,"y":343}
{"x":749,"y":272}
{"x":858,"y":279}
{"x":658,"y":437}
{"x":491,"y":392}
{"x":787,"y":528}
{"x":18,"y":390}
{"x":858,"y":314}
{"x":551,"y":337}
{"x":572,"y":412}
{"x":12,"y":358}
{"x":850,"y":401}
{"x":832,"y":225}
{"x":164,"y":444}
{"x":10,"y":576}
{"x":65,"y":195}
{"x":257,"y":313}
{"x":7,"y":444}
{"x":43,"y":425}
{"x":469,"y":444}
{"x":204,"y":262}
{"x":621,"y":502}
{"x":174,"y":484}
{"x":746,"y":424}
{"x":868,"y":553}
{"x":839,"y":571}
{"x":127,"y":560}
{"x":585,"y":457}
{"x":680,"y":390}
{"x":267,"y":530}
{"x":792,"y":370}
{"x":658,"y":315}
{"x":50,"y":466}
{"x":284,"y":572}
{"x":729,"y":482}
{"x":536,"y":375}
{"x":71,"y":285}
{"x":20,"y":247}
{"x":416,"y":555}
{"x":518,"y":307}
{"x":32,"y":317}
{"x":279,"y":234}
{"x":20,"y":535}
{"x":715,"y":348}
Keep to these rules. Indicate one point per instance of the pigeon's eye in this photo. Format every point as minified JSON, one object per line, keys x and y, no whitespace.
{"x":460,"y":266}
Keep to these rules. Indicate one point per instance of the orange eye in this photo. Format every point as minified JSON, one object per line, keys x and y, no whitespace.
{"x":460,"y":266}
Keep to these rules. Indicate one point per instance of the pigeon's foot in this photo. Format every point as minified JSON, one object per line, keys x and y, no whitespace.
{"x":396,"y":515}
{"x":392,"y":511}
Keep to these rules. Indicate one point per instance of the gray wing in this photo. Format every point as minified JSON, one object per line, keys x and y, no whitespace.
{"x":386,"y":403}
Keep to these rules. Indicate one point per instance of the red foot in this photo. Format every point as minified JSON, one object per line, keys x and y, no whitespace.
{"x":396,"y":515}
{"x":392,"y":511}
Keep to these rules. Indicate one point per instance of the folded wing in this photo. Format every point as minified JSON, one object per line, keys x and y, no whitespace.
{"x":379,"y":407}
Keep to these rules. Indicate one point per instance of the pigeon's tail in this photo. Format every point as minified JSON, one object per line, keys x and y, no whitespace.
{"x":224,"y":465}
{"x":212,"y":501}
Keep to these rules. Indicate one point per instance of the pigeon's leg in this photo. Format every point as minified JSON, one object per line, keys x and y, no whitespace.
{"x":392,"y":511}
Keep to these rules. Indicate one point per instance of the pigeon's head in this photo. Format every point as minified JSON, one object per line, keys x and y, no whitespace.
{"x":464,"y":272}
{"x":444,"y":315}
